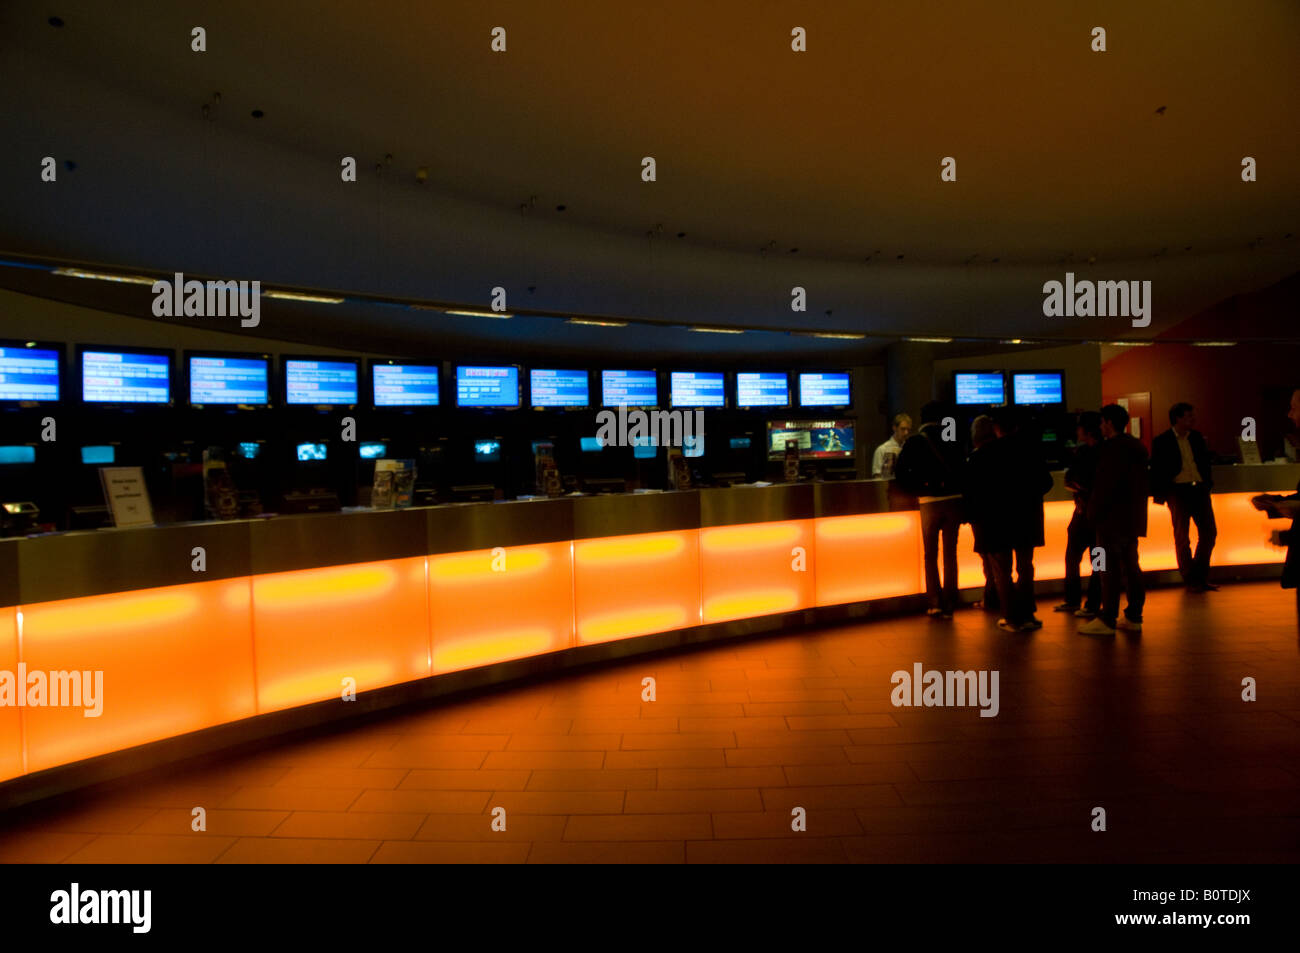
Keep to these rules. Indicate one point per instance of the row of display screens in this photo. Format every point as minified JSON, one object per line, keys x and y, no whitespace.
{"x":1028,"y":388}
{"x":132,"y":376}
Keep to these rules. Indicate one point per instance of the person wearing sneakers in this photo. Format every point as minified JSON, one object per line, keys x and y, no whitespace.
{"x":1080,"y":536}
{"x":986,"y":509}
{"x":1117,"y":508}
{"x":930,"y":468}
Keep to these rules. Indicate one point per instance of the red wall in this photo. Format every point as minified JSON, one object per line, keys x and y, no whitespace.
{"x":1225,"y":384}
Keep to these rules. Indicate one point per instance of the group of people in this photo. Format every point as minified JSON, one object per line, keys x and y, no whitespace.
{"x":998,"y":488}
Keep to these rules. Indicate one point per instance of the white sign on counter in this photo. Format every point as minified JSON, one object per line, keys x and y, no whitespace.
{"x":126,"y":496}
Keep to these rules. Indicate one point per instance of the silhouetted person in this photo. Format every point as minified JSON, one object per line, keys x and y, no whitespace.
{"x":1025,"y":480}
{"x":1081,"y":537}
{"x":886,"y":455}
{"x":987,"y":502}
{"x":1181,"y":476}
{"x":930,"y":468}
{"x":1117,"y":509}
{"x":1282,"y":507}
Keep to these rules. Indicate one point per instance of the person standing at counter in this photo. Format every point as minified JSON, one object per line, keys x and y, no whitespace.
{"x":1181,"y":476}
{"x":1026,"y":480}
{"x":930,"y":468}
{"x":1117,"y":509}
{"x":984,"y":492}
{"x":1080,"y":536}
{"x":886,"y":455}
{"x":1281,"y":507}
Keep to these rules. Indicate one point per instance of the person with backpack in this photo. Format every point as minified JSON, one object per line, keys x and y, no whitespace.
{"x":929,"y":468}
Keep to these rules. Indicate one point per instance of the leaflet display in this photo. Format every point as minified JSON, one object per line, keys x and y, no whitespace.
{"x":697,"y":389}
{"x":405,"y":385}
{"x":121,"y":377}
{"x":320,"y":382}
{"x":29,"y":373}
{"x":552,"y":388}
{"x":824,"y":390}
{"x":629,"y":389}
{"x":762,"y":389}
{"x":229,"y":380}
{"x":487,"y":386}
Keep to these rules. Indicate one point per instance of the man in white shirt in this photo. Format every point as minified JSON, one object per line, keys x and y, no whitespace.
{"x":882,"y":462}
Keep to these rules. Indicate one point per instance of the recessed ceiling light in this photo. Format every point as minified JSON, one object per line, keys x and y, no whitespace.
{"x":592,"y":322}
{"x":480,"y":314}
{"x":929,"y":340}
{"x":719,"y":330}
{"x":1214,"y":343}
{"x":296,"y":296}
{"x":104,"y":276}
{"x":1126,"y":343}
{"x":838,"y":335}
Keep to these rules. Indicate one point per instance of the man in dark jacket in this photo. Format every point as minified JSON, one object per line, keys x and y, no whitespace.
{"x":929,"y":467}
{"x":1080,"y":536}
{"x":1180,"y":475}
{"x":1025,"y":480}
{"x":1117,"y":508}
{"x":1281,"y":507}
{"x":986,"y":507}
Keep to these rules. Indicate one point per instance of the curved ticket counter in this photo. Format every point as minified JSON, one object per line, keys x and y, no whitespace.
{"x":192,"y":628}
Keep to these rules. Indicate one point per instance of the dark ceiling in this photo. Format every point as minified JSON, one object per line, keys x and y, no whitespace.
{"x":775,"y":168}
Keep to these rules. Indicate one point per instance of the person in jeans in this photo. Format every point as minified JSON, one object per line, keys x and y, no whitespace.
{"x":1181,"y":476}
{"x":986,"y":505}
{"x":930,"y":469}
{"x":1080,"y":536}
{"x":1025,"y":481}
{"x":1117,"y":508}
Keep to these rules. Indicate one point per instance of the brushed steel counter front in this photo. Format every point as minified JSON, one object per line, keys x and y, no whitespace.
{"x":87,"y":563}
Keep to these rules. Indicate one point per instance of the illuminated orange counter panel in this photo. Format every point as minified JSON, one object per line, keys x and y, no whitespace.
{"x":179,"y":658}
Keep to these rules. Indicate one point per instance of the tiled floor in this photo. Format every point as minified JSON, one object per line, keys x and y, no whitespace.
{"x":1152,"y":729}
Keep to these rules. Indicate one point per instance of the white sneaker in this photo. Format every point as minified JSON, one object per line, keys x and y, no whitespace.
{"x":1096,"y":627}
{"x":1127,"y":624}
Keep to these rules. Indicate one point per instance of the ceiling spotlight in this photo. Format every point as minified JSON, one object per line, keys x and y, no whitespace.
{"x":719,"y":330}
{"x":929,"y":340}
{"x":1214,"y":343}
{"x":838,"y":335}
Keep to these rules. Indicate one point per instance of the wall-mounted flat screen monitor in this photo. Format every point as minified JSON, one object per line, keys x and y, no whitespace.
{"x":762,"y":389}
{"x":229,"y":380}
{"x":814,"y":439}
{"x":311,"y":452}
{"x":697,"y":389}
{"x":29,"y":373}
{"x":372,"y":451}
{"x":1038,"y":387}
{"x":18,"y":454}
{"x":249,"y":449}
{"x":643,"y":448}
{"x":552,"y":388}
{"x":487,"y":450}
{"x":824,"y":389}
{"x":395,"y":384}
{"x":740,"y":443}
{"x":99,"y":454}
{"x":320,"y":381}
{"x":629,"y":389}
{"x":487,"y":386}
{"x":125,"y":377}
{"x":976,"y":388}
{"x":590,"y":444}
